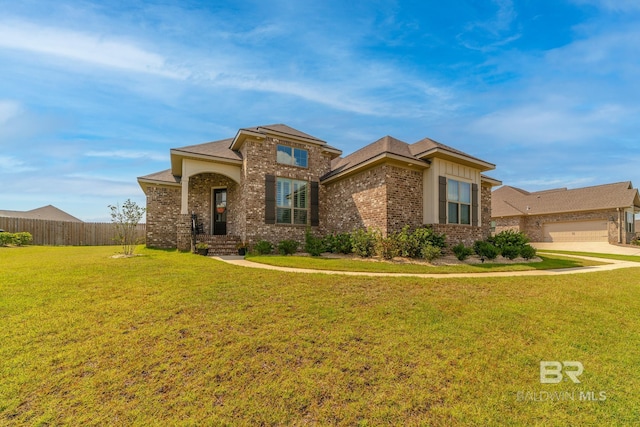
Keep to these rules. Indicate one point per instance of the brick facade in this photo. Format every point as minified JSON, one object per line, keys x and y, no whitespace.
{"x":532,"y":225}
{"x":163,"y":211}
{"x":260,"y":160}
{"x":386,"y":196}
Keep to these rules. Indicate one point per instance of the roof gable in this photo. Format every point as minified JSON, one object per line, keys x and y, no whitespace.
{"x":385,"y":147}
{"x":48,"y":212}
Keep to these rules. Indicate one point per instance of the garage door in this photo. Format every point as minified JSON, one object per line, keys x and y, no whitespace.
{"x":578,"y":231}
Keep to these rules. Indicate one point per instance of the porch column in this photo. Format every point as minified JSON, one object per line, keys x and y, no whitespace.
{"x":184,"y":208}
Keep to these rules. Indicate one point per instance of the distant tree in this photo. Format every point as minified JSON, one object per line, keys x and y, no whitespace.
{"x":125,"y":220}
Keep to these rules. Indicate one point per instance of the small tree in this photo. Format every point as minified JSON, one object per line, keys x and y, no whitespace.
{"x":125,"y":221}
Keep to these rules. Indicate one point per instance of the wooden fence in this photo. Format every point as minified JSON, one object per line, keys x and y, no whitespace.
{"x":66,"y":233}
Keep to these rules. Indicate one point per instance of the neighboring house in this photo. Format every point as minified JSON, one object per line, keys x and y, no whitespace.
{"x":272,"y":182}
{"x":48,"y":212}
{"x":603,"y":213}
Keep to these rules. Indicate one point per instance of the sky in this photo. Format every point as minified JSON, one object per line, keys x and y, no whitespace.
{"x":94,"y":94}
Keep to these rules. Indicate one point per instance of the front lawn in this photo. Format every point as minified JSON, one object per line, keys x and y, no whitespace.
{"x":548,"y":262}
{"x":169,"y":338}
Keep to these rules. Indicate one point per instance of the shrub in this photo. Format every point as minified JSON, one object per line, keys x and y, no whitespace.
{"x":510,"y":252}
{"x":510,"y":238}
{"x":339,"y":243}
{"x":263,"y":247}
{"x":430,"y":252}
{"x":461,"y":251}
{"x":363,"y":242}
{"x":484,"y":249}
{"x":527,"y":252}
{"x":288,"y":247}
{"x":636,"y":241}
{"x":387,"y":247}
{"x":125,"y":222}
{"x":6,"y":238}
{"x":312,"y":244}
{"x":426,"y":235}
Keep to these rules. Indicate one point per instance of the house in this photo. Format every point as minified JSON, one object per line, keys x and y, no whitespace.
{"x":602,"y":213}
{"x":272,"y":182}
{"x":48,"y":212}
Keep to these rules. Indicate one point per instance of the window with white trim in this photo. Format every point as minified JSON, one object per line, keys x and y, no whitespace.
{"x":630,"y":223}
{"x":292,"y":156}
{"x":292,"y":201}
{"x":458,"y":202}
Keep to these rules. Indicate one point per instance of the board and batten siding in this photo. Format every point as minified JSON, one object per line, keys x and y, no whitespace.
{"x":440,"y":167}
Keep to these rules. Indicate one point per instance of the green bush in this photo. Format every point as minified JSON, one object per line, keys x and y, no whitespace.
{"x":288,"y":247}
{"x":528,"y":252}
{"x":6,"y":238}
{"x":636,"y":241}
{"x":461,"y":251}
{"x":312,"y":244}
{"x":387,"y":247}
{"x":363,"y":242}
{"x":486,"y":250}
{"x":339,"y":243}
{"x":510,"y":238}
{"x":263,"y":247}
{"x":510,"y":252}
{"x":18,"y":239}
{"x":426,"y":235}
{"x":430,"y":252}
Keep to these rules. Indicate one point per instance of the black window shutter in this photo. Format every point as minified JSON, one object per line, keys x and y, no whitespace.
{"x":474,"y":205}
{"x":315,"y":214}
{"x":269,"y":199}
{"x":442,"y":199}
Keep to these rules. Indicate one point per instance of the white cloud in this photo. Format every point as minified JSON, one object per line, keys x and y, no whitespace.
{"x":105,"y":51}
{"x":127,"y":154}
{"x":8,"y":110}
{"x":612,"y":5}
{"x":10,"y":164}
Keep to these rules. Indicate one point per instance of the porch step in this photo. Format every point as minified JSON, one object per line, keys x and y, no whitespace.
{"x":220,"y":245}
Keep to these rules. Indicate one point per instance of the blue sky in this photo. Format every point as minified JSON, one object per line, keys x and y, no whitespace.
{"x":94,"y":94}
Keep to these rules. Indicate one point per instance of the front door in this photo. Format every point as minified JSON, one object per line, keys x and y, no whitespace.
{"x":220,"y":211}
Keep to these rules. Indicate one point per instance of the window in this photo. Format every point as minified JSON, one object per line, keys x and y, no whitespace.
{"x":292,"y":156}
{"x":458,"y":202}
{"x":630,"y":223}
{"x":291,"y":201}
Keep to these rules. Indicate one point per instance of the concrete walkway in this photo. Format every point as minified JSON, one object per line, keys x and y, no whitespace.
{"x":611,"y":265}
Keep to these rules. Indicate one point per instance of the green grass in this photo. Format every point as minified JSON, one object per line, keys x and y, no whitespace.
{"x":176,"y":339}
{"x":317,"y":263}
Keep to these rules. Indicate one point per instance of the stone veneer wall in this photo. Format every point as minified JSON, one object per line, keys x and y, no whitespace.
{"x":260,"y":160}
{"x":358,"y":201}
{"x":200,"y":198}
{"x":163,"y":211}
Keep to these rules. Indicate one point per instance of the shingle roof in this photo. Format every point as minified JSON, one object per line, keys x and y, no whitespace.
{"x":163,"y":177}
{"x":48,"y":212}
{"x":385,"y":145}
{"x":511,"y":201}
{"x":282,"y":128}
{"x":218,"y":149}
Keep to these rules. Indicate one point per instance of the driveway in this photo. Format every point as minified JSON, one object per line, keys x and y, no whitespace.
{"x":593,"y":247}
